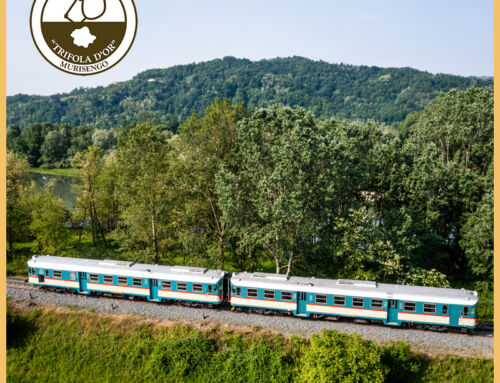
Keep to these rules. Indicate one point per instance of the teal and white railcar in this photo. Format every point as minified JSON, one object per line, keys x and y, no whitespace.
{"x":152,"y":282}
{"x":364,"y":300}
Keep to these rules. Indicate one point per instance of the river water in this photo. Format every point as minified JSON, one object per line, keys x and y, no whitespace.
{"x":65,"y":187}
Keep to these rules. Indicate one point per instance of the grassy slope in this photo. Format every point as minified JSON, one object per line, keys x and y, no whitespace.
{"x":70,"y":172}
{"x":68,"y":345}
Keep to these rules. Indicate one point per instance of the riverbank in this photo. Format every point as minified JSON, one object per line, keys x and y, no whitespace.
{"x":69,"y":172}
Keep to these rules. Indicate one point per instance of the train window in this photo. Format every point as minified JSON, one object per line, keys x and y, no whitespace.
{"x":122,"y":280}
{"x":429,"y":308}
{"x":94,"y":278}
{"x":466,"y":311}
{"x":72,"y":275}
{"x":252,"y":292}
{"x":167,"y":285}
{"x":286,"y":296}
{"x":376,"y":303}
{"x":215,"y":288}
{"x":409,"y":306}
{"x":339,"y":300}
{"x":107,"y":278}
{"x":358,"y":302}
{"x":320,"y":298}
{"x":445,"y":309}
{"x":269,"y":294}
{"x":181,"y":286}
{"x":57,"y":274}
{"x":46,"y":273}
{"x":137,"y":282}
{"x":197,"y":287}
{"x":209,"y":288}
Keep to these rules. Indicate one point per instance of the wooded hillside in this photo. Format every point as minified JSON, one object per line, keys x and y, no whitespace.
{"x":385,"y":95}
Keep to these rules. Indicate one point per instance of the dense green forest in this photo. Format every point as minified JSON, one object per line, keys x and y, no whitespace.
{"x":171,"y":95}
{"x":274,"y":189}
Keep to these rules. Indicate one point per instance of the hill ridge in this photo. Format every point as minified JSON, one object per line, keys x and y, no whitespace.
{"x":385,"y":95}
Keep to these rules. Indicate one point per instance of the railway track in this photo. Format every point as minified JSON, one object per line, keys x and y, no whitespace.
{"x":484,"y":329}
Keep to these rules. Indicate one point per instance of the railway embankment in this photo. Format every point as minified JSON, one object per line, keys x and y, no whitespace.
{"x":52,"y":343}
{"x":422,"y":341}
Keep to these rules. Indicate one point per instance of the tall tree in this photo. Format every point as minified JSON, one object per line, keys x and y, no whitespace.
{"x":451,"y":146}
{"x":54,"y":147}
{"x":32,"y":139}
{"x":291,"y":176}
{"x":17,"y":211}
{"x":144,"y":189}
{"x":107,"y":184}
{"x":14,"y":140}
{"x":477,"y":240}
{"x":91,"y":164}
{"x":47,"y":224}
{"x":205,"y":145}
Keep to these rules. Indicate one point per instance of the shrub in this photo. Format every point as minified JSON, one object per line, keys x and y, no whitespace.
{"x":335,"y":357}
{"x":404,"y":366}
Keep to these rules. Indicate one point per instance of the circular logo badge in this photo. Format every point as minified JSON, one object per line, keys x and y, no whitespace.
{"x":83,"y":37}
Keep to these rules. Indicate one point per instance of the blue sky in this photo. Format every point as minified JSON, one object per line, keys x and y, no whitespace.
{"x":437,"y":36}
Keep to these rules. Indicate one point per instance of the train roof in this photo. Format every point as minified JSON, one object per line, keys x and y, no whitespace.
{"x":125,"y":268}
{"x":349,"y":287}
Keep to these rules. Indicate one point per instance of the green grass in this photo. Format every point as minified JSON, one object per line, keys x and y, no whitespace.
{"x":453,"y":369}
{"x":70,"y":172}
{"x":78,"y":346}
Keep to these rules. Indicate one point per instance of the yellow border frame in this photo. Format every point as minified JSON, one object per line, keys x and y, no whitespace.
{"x":496,"y":183}
{"x":3,"y":202}
{"x":3,"y":192}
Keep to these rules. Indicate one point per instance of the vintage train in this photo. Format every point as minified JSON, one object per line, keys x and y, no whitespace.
{"x":365,"y":301}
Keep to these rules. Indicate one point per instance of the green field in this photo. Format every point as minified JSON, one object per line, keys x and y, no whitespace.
{"x":77,"y":346}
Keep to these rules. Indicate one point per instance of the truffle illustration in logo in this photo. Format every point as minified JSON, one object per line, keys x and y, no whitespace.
{"x":83,"y":37}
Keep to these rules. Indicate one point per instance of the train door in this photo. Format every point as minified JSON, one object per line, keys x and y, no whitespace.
{"x":301,"y":303}
{"x":153,"y":289}
{"x":225,"y":288}
{"x":41,"y":276}
{"x":83,"y":281}
{"x":392,"y":311}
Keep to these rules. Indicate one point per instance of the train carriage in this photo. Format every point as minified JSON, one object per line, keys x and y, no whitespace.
{"x":363,"y":300}
{"x":152,"y":282}
{"x":389,"y":304}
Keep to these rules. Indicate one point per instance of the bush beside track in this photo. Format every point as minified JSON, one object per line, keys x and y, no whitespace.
{"x":50,"y":345}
